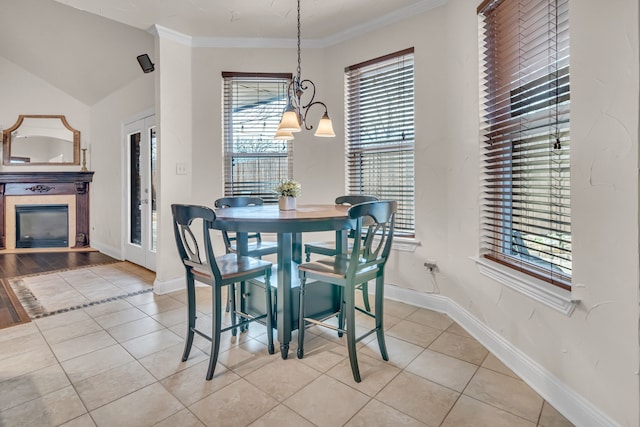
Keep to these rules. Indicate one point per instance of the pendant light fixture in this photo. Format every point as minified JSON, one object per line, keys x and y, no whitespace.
{"x":294,"y":116}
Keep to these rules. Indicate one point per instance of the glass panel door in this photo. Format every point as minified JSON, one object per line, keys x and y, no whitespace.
{"x":141,"y":214}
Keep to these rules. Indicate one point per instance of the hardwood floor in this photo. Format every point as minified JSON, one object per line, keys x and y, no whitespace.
{"x":23,"y":264}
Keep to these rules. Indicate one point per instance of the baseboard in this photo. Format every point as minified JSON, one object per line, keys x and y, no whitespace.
{"x":107,"y":250}
{"x":570,"y":404}
{"x":164,"y":287}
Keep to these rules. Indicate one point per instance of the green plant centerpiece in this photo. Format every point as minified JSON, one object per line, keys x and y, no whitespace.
{"x":287,"y":192}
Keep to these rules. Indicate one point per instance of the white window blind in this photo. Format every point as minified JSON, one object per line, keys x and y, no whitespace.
{"x":526,"y":214}
{"x":254,"y":163}
{"x":379,"y":97}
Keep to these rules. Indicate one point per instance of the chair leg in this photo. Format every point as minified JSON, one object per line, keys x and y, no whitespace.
{"x":379,"y":317}
{"x":364,"y":287}
{"x":232,"y":309}
{"x":243,"y":307}
{"x":308,"y":255}
{"x":191,"y":316}
{"x":341,"y":312}
{"x":350,"y":315}
{"x":267,"y":283}
{"x":216,"y":321}
{"x":301,"y":323}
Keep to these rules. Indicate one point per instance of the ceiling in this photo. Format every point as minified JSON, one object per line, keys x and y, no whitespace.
{"x":87,"y":48}
{"x":251,"y":18}
{"x":83,"y":55}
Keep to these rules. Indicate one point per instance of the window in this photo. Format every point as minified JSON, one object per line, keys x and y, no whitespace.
{"x":380,"y":132}
{"x":254,"y":163}
{"x":526,"y":214}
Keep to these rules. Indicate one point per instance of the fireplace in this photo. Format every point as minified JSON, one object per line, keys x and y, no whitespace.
{"x":46,"y":188}
{"x":42,"y":226}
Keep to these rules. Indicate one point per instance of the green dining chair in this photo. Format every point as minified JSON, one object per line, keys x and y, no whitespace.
{"x":375,"y":221}
{"x":329,"y":248}
{"x":217,"y":272}
{"x":257,"y":247}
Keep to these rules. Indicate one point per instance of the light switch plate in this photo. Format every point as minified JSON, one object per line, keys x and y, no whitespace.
{"x":181,"y":168}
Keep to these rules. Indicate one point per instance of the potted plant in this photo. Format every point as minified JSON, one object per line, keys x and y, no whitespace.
{"x":287,"y":192}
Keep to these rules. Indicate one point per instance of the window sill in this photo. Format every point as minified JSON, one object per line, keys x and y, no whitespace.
{"x":405,"y":244}
{"x":538,"y":290}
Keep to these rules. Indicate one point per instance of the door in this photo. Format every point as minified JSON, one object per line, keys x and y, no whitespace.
{"x":141,"y":212}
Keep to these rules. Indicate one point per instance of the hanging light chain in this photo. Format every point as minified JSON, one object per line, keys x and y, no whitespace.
{"x":299,"y":56}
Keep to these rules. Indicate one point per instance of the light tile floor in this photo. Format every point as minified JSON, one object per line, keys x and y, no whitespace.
{"x":118,"y":364}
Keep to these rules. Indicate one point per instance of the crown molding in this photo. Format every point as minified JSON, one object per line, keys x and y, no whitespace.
{"x":285,"y":43}
{"x":167,"y":33}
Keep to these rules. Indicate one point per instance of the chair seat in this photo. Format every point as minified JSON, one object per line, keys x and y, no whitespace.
{"x":232,"y":266}
{"x":335,"y":267}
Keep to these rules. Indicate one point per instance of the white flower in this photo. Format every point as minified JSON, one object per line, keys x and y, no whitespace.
{"x":288,"y":188}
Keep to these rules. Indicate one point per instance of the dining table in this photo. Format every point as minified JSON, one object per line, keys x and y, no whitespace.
{"x":288,"y":225}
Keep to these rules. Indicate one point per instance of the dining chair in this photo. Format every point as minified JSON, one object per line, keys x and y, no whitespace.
{"x":257,"y":247}
{"x":375,"y":221}
{"x":217,"y":272}
{"x":329,"y":248}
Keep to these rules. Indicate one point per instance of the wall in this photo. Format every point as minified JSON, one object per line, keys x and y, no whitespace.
{"x":593,"y":352}
{"x":318,"y":162}
{"x":105,"y":156}
{"x":100,"y":129}
{"x":597,"y":344}
{"x":175,"y":145}
{"x":314,"y":157}
{"x":24,"y":93}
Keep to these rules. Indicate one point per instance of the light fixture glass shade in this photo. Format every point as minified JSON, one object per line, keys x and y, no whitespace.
{"x":325,"y":127}
{"x":289,"y":122}
{"x":281,"y":134}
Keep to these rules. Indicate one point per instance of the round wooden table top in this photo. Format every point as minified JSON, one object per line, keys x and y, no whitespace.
{"x":270,"y":219}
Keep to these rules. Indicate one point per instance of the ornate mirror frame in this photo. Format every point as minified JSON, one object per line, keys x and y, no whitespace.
{"x":6,"y":142}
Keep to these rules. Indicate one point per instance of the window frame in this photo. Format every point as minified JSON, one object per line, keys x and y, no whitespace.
{"x":232,"y":155}
{"x":525,"y":114}
{"x":370,"y":147}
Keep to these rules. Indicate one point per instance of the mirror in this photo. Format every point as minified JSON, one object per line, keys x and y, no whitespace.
{"x":41,"y":140}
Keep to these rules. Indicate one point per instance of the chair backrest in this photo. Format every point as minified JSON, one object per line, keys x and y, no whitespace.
{"x":237,"y":202}
{"x":375,"y":221}
{"x":354,"y":199}
{"x":185,"y":220}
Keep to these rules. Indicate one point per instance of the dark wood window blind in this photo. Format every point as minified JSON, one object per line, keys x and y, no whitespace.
{"x":254,"y":163}
{"x":379,"y":96}
{"x":526,"y":211}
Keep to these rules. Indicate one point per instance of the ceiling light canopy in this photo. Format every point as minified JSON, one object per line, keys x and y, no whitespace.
{"x":295,"y":113}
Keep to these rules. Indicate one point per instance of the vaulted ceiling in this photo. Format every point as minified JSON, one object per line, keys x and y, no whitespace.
{"x":84,"y":55}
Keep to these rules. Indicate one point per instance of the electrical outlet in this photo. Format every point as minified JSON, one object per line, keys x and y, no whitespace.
{"x":431,"y":265}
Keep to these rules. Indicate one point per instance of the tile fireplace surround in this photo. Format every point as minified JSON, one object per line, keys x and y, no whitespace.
{"x":28,"y":187}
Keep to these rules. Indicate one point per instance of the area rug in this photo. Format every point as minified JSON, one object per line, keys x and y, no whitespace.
{"x":63,"y":291}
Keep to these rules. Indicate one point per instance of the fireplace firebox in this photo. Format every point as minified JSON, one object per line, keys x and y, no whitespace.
{"x":42,"y":226}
